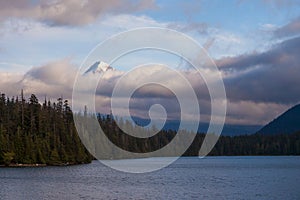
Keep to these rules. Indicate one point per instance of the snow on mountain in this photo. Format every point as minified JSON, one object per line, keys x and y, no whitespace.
{"x":99,"y":67}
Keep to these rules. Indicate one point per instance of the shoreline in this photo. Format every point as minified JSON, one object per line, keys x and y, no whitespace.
{"x":36,"y":165}
{"x":23,"y":165}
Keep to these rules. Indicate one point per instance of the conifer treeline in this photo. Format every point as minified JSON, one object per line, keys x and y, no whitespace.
{"x":244,"y":145}
{"x":251,"y":145}
{"x":45,"y":133}
{"x":31,"y":132}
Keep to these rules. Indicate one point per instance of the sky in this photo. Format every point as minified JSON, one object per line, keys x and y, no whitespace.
{"x":255,"y":44}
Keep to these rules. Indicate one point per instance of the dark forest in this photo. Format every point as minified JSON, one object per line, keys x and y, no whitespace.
{"x":32,"y":132}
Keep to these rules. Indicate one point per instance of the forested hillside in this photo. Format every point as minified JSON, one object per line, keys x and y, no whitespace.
{"x":31,"y":132}
{"x":244,"y":145}
{"x":287,"y":123}
{"x":251,"y":145}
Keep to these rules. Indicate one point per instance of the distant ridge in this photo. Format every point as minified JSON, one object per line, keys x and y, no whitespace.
{"x":287,"y":123}
{"x":228,"y":129}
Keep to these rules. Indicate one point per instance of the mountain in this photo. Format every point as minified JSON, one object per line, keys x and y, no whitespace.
{"x":99,"y":67}
{"x":287,"y":123}
{"x":228,"y":130}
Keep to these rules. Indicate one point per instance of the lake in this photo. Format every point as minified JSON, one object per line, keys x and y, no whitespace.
{"x":188,"y":178}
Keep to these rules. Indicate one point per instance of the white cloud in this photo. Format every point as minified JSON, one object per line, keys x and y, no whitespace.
{"x":268,"y":27}
{"x":126,"y":22}
{"x":52,"y":80}
{"x":69,"y":12}
{"x":34,"y":43}
{"x":31,"y":41}
{"x":57,"y":78}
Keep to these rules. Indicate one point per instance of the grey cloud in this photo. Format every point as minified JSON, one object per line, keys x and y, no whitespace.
{"x":201,"y":28}
{"x":280,"y":54}
{"x":151,"y":94}
{"x":272,"y":84}
{"x":69,"y":12}
{"x":290,"y":29}
{"x":57,"y":78}
{"x":140,"y":107}
{"x":271,"y":76}
{"x":209,"y":42}
{"x":245,"y":107}
{"x":248,"y":112}
{"x":106,"y":85}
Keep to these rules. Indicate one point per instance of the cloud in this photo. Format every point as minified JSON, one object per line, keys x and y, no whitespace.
{"x":152,"y":74}
{"x":199,"y":27}
{"x":290,"y":29}
{"x":69,"y":12}
{"x":22,"y":38}
{"x":270,"y":77}
{"x":60,"y":72}
{"x":279,"y":54}
{"x":246,"y":102}
{"x":253,"y":113}
{"x":52,"y":80}
{"x":56,"y":79}
{"x":126,"y":22}
{"x":268,"y":27}
{"x":8,"y":83}
{"x":209,"y":42}
{"x":259,"y":85}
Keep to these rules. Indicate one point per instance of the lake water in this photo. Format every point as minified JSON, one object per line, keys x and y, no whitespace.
{"x":188,"y":178}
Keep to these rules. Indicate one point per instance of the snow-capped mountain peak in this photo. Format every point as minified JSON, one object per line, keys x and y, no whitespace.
{"x":99,"y":67}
